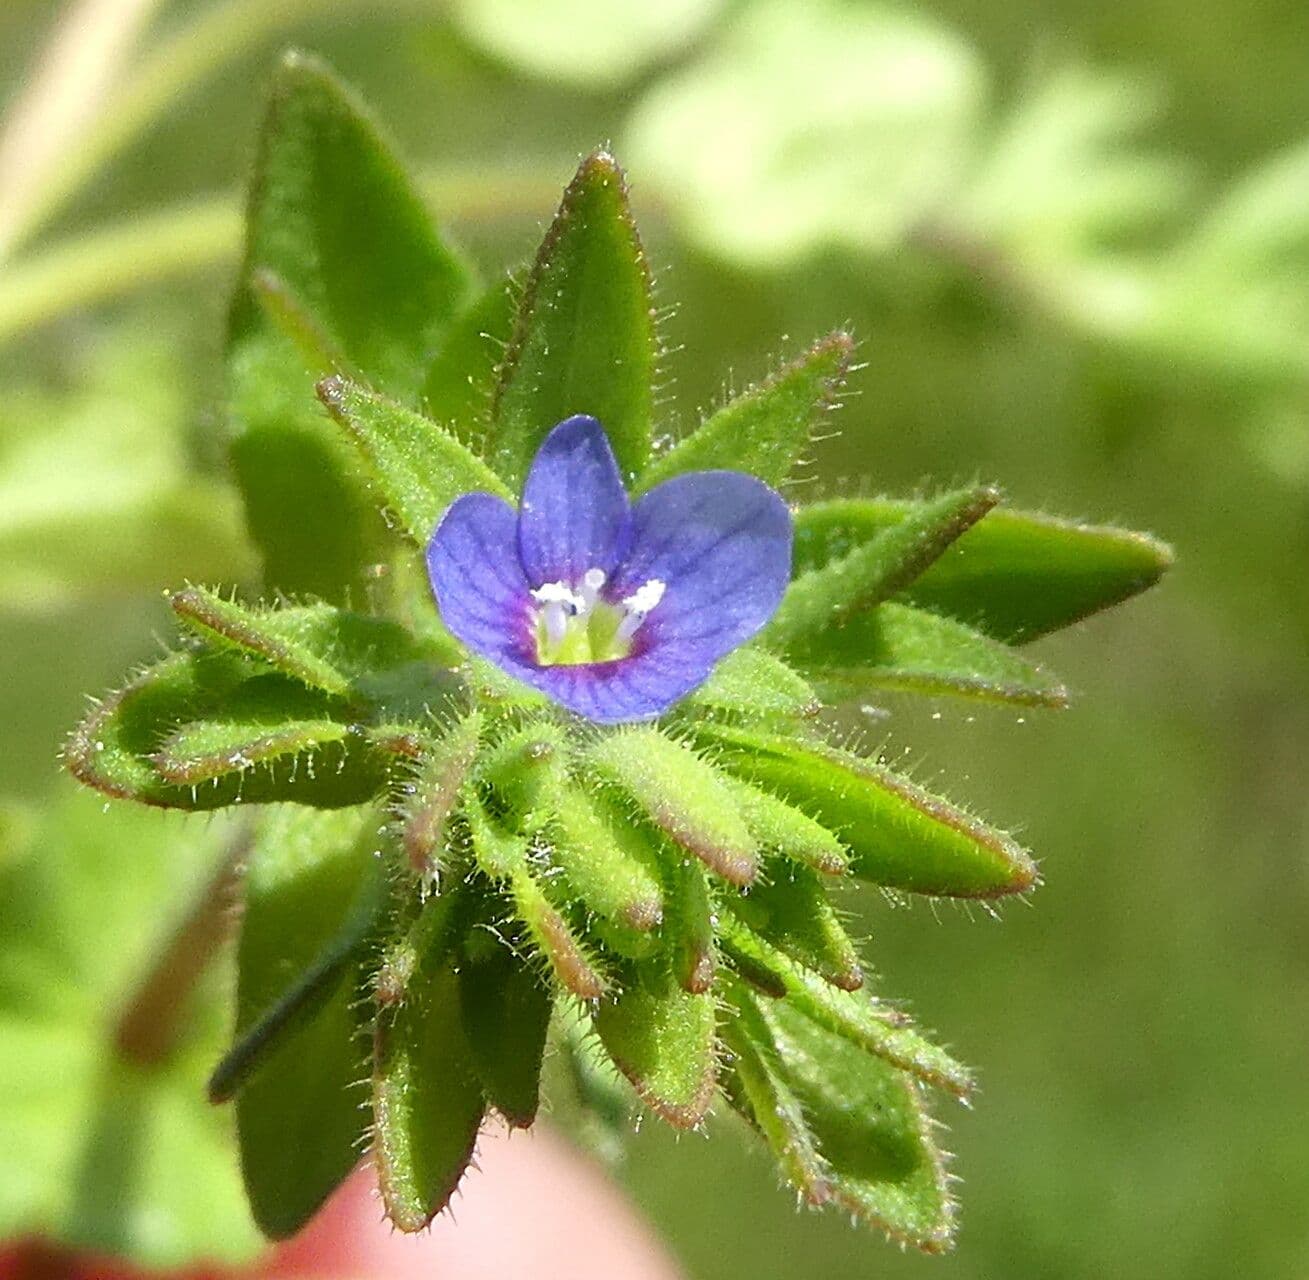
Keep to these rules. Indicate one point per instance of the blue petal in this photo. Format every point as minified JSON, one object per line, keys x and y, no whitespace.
{"x":574,"y":513}
{"x":720,"y":541}
{"x":480,"y":589}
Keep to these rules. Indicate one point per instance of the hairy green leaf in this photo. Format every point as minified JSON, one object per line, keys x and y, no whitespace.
{"x":1015,"y":575}
{"x":692,"y":917}
{"x":777,"y":825}
{"x":754,"y":682}
{"x":584,"y":341}
{"x":432,"y":796}
{"x":766,"y":429}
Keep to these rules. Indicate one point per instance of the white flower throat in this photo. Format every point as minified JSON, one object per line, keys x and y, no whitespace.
{"x":575,"y":626}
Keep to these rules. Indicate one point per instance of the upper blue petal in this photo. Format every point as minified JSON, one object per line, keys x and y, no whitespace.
{"x":720,"y":541}
{"x":574,"y":512}
{"x":481,"y":592}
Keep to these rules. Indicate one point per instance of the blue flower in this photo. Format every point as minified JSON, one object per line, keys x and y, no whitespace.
{"x":614,"y":609}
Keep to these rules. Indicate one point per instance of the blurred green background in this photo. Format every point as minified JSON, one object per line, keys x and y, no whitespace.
{"x":1074,"y":244}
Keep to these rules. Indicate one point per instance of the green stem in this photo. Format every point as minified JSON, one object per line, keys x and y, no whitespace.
{"x":146,"y":249}
{"x":216,"y":37}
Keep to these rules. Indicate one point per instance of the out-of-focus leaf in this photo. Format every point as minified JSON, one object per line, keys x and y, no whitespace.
{"x":97,"y":497}
{"x":853,"y":1123}
{"x":100,"y":1153}
{"x":898,"y":647}
{"x":584,"y":339}
{"x":311,"y":878}
{"x":427,"y":1101}
{"x":810,"y":125}
{"x":588,"y":43}
{"x":821,"y":598}
{"x":333,"y":217}
{"x":765,"y":430}
{"x":1015,"y":575}
{"x":898,"y":834}
{"x":418,"y":467}
{"x":661,"y":1037}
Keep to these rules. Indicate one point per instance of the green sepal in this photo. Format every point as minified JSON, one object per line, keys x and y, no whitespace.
{"x":506,"y":1013}
{"x":779,"y":826}
{"x":339,"y":250}
{"x":766,"y":430}
{"x":876,"y":1028}
{"x":423,"y":937}
{"x":418,"y":467}
{"x":847,"y":1126}
{"x":432,"y":795}
{"x":751,"y":681}
{"x":898,"y":835}
{"x":525,"y":772}
{"x":300,"y":1125}
{"x":662,"y":1038}
{"x":791,"y":911}
{"x":1014,"y":576}
{"x":682,"y":794}
{"x":584,"y":339}
{"x":896,"y":646}
{"x":461,"y":378}
{"x":609,"y":864}
{"x":821,"y":598}
{"x":428,"y":1102}
{"x":692,"y":916}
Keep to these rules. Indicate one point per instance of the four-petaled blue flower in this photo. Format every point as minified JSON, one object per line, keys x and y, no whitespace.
{"x":614,"y":609}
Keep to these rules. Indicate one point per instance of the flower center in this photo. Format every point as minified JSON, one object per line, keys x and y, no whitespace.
{"x":575,"y":626}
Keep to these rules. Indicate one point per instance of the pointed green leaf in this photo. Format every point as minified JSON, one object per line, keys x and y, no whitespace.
{"x":682,"y":794}
{"x":792,"y":912}
{"x":431,"y":797}
{"x":506,"y":1012}
{"x":608,"y":863}
{"x":877,"y":1028}
{"x":690,"y":927}
{"x":427,"y":1101}
{"x":1015,"y":575}
{"x":898,"y":834}
{"x":777,"y":825}
{"x":584,"y":341}
{"x":871,"y":572}
{"x":421,"y":943}
{"x":848,"y":1123}
{"x":526,"y":772}
{"x":299,"y":1118}
{"x":662,"y":1038}
{"x":895,"y":646}
{"x":754,"y":682}
{"x":460,"y":382}
{"x":418,"y":467}
{"x":359,"y":269}
{"x":765,"y":430}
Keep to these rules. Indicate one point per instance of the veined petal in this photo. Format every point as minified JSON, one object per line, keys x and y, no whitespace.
{"x":574,"y":513}
{"x":720,"y":542}
{"x":481,"y":591}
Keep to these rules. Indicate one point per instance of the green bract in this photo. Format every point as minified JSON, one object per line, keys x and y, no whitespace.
{"x":454,"y":869}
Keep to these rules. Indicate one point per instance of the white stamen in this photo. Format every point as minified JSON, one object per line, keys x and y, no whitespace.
{"x":638,"y":605}
{"x":592,"y":582}
{"x":555,"y":617}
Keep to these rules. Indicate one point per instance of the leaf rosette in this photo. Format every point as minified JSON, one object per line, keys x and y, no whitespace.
{"x":542,"y":710}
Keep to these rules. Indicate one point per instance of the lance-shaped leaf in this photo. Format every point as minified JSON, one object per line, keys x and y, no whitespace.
{"x":765,"y":430}
{"x":754,"y":682}
{"x":690,"y":927}
{"x":609,"y":864}
{"x":845,"y":1123}
{"x":506,"y":1012}
{"x":777,"y":825}
{"x":460,"y":381}
{"x":333,"y":220}
{"x":791,"y":910}
{"x":299,"y":1123}
{"x":428,"y":1102}
{"x":896,"y":646}
{"x":826,"y":597}
{"x":584,"y":340}
{"x":879,"y":1029}
{"x":418,"y":467}
{"x":433,"y":794}
{"x":423,"y":938}
{"x":662,"y":1038}
{"x":898,"y":834}
{"x":682,"y":794}
{"x":1015,"y":575}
